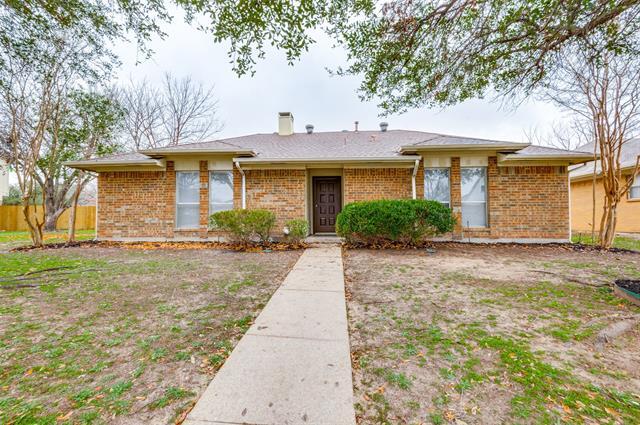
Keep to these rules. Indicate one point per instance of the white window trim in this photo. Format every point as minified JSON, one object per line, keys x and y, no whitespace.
{"x":211,"y":191}
{"x":424,"y":184}
{"x":185,"y":203}
{"x":485,"y":202}
{"x":635,"y":185}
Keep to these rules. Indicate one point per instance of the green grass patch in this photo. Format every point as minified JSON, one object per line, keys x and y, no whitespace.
{"x":571,"y":330}
{"x":171,"y":394}
{"x":618,"y":242}
{"x":16,"y":238}
{"x":543,"y":384}
{"x":17,"y":263}
{"x":233,"y":287}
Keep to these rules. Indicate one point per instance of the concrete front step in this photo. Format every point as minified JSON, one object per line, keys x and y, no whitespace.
{"x":322,"y":239}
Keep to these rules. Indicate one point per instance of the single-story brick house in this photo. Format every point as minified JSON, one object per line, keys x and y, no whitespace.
{"x":582,"y":190}
{"x":500,"y":191}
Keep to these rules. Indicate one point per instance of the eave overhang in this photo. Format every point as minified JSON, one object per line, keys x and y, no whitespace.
{"x":359,"y":159}
{"x":515,"y":159}
{"x":114,"y":165}
{"x":507,"y":147}
{"x":160,"y":153}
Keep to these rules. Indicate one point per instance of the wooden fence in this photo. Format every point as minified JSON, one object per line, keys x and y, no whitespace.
{"x":11,"y":218}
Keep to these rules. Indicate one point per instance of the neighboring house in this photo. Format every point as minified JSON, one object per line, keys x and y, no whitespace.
{"x":582,"y":192}
{"x":499,"y":190}
{"x":4,"y":180}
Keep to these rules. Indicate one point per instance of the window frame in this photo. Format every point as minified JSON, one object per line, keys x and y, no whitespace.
{"x":424,"y":183}
{"x":485,"y":202}
{"x":634,"y":185}
{"x":211,"y":172}
{"x":177,"y":203}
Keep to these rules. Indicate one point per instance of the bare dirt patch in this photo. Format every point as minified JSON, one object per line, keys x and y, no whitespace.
{"x":127,"y":336}
{"x":491,"y":334}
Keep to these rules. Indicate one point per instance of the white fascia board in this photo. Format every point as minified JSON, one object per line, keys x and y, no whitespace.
{"x":89,"y":165}
{"x":465,"y":147}
{"x":571,"y":159}
{"x":405,"y":158}
{"x":165,"y":152}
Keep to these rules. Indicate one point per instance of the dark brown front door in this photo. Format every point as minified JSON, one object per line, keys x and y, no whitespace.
{"x":327,"y":202}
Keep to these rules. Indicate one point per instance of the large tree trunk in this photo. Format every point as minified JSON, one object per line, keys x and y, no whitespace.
{"x":51,"y":219}
{"x":608,"y":223}
{"x":35,"y":226}
{"x":54,"y":205}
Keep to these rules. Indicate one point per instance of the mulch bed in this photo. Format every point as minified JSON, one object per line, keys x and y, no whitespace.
{"x":266,"y":247}
{"x":445,"y":244}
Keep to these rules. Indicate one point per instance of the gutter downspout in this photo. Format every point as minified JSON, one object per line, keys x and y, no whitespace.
{"x":244,"y":186}
{"x":95,"y":237}
{"x":413,"y":179}
{"x":570,"y":219}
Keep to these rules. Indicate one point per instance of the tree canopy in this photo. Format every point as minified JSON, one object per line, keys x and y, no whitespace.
{"x":409,"y":53}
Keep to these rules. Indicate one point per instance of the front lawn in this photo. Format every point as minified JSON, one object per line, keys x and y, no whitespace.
{"x":10,"y":240}
{"x":622,"y":242}
{"x":491,"y":335}
{"x":115,"y":335}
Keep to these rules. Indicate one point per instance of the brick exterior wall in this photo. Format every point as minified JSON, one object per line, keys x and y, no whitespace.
{"x":280,"y":191}
{"x":134,"y":204}
{"x":366,"y":184}
{"x":530,"y":202}
{"x":523,"y":202}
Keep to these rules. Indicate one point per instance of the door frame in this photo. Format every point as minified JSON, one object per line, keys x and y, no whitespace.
{"x":314,"y":180}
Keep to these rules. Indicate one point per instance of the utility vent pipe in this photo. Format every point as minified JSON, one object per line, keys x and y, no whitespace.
{"x":309,"y":128}
{"x":384,"y":126}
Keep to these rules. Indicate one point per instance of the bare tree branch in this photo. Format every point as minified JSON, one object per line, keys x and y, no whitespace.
{"x":182,"y":111}
{"x":602,"y":92}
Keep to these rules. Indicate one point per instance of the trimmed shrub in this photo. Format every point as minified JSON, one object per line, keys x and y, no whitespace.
{"x":244,"y":225}
{"x":406,"y":221}
{"x":298,"y":229}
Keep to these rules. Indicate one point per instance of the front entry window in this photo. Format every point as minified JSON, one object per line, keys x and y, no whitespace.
{"x":474,"y":196}
{"x":187,"y":199}
{"x":220,"y":191}
{"x":437,"y":186}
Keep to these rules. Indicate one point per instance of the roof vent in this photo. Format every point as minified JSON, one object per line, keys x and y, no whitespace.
{"x":285,"y":123}
{"x":384,"y":126}
{"x":309,"y":128}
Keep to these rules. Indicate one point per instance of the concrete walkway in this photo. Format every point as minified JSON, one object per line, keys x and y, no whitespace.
{"x":293,"y":365}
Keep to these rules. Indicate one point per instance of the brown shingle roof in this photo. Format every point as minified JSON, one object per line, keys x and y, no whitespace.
{"x":360,"y":145}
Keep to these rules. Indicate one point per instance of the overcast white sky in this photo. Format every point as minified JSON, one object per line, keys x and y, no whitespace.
{"x":250,"y":104}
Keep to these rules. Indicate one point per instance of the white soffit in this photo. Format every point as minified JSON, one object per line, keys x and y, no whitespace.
{"x":184,"y":164}
{"x":474,"y":161}
{"x":222,"y":164}
{"x":437,"y":162}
